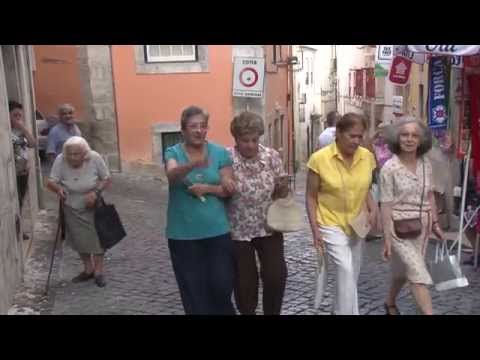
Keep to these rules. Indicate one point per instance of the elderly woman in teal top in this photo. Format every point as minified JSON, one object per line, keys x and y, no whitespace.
{"x":198,"y":231}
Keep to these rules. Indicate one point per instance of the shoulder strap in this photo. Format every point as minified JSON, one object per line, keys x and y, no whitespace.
{"x":423,"y":189}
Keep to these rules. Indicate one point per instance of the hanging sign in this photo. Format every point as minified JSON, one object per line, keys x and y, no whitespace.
{"x":402,"y":50}
{"x":400,"y":70}
{"x":383,"y":59}
{"x":457,"y":61}
{"x":472,"y":61}
{"x":459,"y":50}
{"x":438,"y":93}
{"x":384,"y":54}
{"x":397,"y":104}
{"x":380,"y":71}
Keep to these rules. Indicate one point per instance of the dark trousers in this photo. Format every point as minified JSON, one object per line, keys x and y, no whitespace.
{"x":22,"y":184}
{"x":204,"y":271}
{"x":273,"y":271}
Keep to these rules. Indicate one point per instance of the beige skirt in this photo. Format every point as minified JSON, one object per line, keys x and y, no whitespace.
{"x":408,"y":255}
{"x":80,"y":231}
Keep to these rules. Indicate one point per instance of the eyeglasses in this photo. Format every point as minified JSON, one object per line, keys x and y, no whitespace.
{"x":198,"y":127}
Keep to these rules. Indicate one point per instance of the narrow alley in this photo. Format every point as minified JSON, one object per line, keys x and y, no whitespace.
{"x":141,"y":280}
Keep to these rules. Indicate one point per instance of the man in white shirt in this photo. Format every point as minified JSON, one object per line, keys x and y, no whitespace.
{"x":328,"y":135}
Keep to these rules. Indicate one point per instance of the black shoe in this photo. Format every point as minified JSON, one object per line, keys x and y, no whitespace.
{"x":26,"y":237}
{"x":100,"y":280}
{"x":83,"y":276}
{"x":389,"y":308}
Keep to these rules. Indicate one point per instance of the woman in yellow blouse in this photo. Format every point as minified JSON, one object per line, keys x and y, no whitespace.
{"x":338,"y":184}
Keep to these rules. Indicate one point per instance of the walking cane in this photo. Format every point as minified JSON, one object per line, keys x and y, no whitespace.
{"x":59,"y":236}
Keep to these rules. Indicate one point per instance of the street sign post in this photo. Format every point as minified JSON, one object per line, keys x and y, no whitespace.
{"x":248,"y":77}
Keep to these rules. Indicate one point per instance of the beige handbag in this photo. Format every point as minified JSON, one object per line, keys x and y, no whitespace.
{"x":285,"y":215}
{"x":360,"y":224}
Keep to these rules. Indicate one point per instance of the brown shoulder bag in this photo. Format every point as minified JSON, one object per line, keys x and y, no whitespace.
{"x":411,"y":228}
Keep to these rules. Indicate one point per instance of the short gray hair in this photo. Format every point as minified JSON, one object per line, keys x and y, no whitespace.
{"x":190,"y":112}
{"x":67,"y":107}
{"x":247,"y":123}
{"x":76,"y":141}
{"x":392,"y":135}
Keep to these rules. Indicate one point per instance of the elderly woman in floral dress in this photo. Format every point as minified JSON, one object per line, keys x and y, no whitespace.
{"x":407,"y":193}
{"x":258,"y":178}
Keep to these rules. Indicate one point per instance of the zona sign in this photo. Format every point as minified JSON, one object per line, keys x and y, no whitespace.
{"x":248,"y":77}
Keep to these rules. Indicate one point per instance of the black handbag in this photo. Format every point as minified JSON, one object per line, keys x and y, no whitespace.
{"x":108,"y":225}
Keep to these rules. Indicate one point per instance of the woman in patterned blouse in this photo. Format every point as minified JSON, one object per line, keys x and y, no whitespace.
{"x":403,"y":180}
{"x":22,"y":139}
{"x":258,"y":178}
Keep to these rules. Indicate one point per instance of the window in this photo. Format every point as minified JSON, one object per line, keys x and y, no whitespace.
{"x":370,"y":83}
{"x":421,"y":101}
{"x":170,"y":53}
{"x":270,"y":135}
{"x":170,"y":139}
{"x":301,"y":113}
{"x":307,"y":71}
{"x":359,"y":82}
{"x":281,"y":130}
{"x":276,"y":134}
{"x":351,"y":85}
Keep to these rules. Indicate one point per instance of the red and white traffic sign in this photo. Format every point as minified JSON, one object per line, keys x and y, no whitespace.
{"x":248,"y":76}
{"x":400,"y":70}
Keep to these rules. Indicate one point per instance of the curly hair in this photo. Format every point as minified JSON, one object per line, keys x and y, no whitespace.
{"x":392,"y":136}
{"x":247,"y":123}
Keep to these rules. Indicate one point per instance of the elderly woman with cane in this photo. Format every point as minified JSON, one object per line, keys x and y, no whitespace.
{"x":78,"y":177}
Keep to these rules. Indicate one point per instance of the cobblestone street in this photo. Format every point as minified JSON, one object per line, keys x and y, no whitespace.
{"x":141,"y":281}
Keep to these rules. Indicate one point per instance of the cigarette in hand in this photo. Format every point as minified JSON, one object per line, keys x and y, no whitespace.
{"x":188,"y":183}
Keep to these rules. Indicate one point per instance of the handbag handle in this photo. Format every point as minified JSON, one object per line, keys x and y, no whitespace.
{"x":444,"y":252}
{"x":100,"y":201}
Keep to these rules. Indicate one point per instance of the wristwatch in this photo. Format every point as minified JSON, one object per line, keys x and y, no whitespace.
{"x":98,"y":192}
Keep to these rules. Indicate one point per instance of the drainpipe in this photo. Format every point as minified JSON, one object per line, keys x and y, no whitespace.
{"x":290,"y":91}
{"x":336,"y":77}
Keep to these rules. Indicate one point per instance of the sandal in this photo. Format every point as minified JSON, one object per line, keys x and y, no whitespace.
{"x":388,"y":309}
{"x":83,"y":276}
{"x":100,"y":280}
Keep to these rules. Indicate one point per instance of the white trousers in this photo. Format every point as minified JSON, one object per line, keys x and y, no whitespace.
{"x":346,"y":254}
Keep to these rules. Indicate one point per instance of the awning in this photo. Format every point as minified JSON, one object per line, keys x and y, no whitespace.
{"x":453,"y":50}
